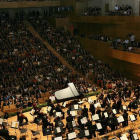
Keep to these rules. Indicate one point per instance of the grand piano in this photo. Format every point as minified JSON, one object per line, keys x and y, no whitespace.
{"x":67,"y":93}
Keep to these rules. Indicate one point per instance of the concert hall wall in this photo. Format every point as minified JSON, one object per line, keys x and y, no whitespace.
{"x":125,"y":62}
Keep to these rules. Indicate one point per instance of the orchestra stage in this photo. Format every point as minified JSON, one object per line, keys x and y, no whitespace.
{"x":32,"y":126}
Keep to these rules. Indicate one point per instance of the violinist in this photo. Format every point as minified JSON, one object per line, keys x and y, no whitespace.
{"x":35,"y":108}
{"x":58,"y":109}
{"x":21,"y":117}
{"x":46,"y":122}
{"x":50,"y":103}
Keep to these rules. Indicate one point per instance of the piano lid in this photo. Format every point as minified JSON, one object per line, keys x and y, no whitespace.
{"x":68,"y":92}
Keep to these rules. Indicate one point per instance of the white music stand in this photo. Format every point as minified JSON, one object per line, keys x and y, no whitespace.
{"x":95,"y":117}
{"x":71,"y":136}
{"x":15,"y":125}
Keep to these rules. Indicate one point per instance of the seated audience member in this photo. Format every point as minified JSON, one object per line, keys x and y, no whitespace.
{"x":52,"y":97}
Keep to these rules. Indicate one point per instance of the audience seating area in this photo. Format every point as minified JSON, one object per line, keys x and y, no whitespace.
{"x":96,"y":10}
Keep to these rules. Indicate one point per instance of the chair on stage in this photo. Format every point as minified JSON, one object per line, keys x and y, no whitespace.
{"x":35,"y":133}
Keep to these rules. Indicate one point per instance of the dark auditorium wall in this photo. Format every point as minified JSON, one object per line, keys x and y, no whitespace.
{"x":116,"y":26}
{"x":125,"y":62}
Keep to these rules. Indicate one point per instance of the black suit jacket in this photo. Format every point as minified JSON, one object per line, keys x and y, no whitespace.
{"x":4,"y":133}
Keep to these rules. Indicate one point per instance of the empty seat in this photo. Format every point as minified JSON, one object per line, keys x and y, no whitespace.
{"x":40,"y":100}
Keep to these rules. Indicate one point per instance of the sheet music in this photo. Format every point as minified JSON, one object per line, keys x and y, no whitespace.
{"x":114,"y":139}
{"x":135,"y":136}
{"x":14,"y":124}
{"x":49,"y":108}
{"x":73,"y":113}
{"x":95,"y":117}
{"x":106,"y":114}
{"x":97,"y":104}
{"x":86,"y":132}
{"x":132,"y":118}
{"x":124,"y":107}
{"x":120,"y":119}
{"x":71,"y":135}
{"x":124,"y":137}
{"x":90,"y":101}
{"x":32,"y":112}
{"x":58,"y":114}
{"x":73,"y":123}
{"x":58,"y":138}
{"x":64,"y":104}
{"x":99,"y":126}
{"x":84,"y":120}
{"x":114,"y":111}
{"x":76,"y":106}
{"x":108,"y":100}
{"x":1,"y":121}
{"x":58,"y":129}
{"x":81,"y":102}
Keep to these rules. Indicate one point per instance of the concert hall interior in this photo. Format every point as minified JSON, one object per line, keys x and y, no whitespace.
{"x":69,"y":69}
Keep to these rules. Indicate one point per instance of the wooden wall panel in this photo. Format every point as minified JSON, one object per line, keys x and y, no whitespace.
{"x":29,"y":4}
{"x":125,"y":62}
{"x":116,"y":26}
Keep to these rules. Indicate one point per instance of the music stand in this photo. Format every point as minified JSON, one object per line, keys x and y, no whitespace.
{"x":64,"y":104}
{"x":106,"y":114}
{"x":81,"y":102}
{"x":32,"y":113}
{"x":15,"y":125}
{"x":71,"y":124}
{"x":114,"y":111}
{"x":37,"y":120}
{"x":97,"y":104}
{"x":73,"y":113}
{"x":1,"y":122}
{"x":75,"y":107}
{"x":58,"y":114}
{"x":84,"y":120}
{"x":95,"y":117}
{"x":57,"y":138}
{"x":135,"y":136}
{"x":46,"y":132}
{"x":71,"y":136}
{"x":132,"y":118}
{"x":49,"y":108}
{"x":84,"y":133}
{"x":99,"y":126}
{"x":124,"y":107}
{"x":58,"y":130}
{"x":123,"y":137}
{"x":90,"y":101}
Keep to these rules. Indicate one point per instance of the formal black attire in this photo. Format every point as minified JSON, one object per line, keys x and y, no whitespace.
{"x":85,"y":112}
{"x":92,"y":109}
{"x":5,"y":134}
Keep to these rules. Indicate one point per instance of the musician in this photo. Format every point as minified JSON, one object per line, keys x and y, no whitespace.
{"x":46,"y":123}
{"x":85,"y":112}
{"x":125,"y":116}
{"x":92,"y":109}
{"x":58,"y":109}
{"x":56,"y":120}
{"x":90,"y":128}
{"x":35,"y":108}
{"x":21,"y":117}
{"x":119,"y":104}
{"x":98,"y":111}
{"x":69,"y":118}
{"x":4,"y":133}
{"x":114,"y":120}
{"x":79,"y":121}
{"x":133,"y":104}
{"x":50,"y":103}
